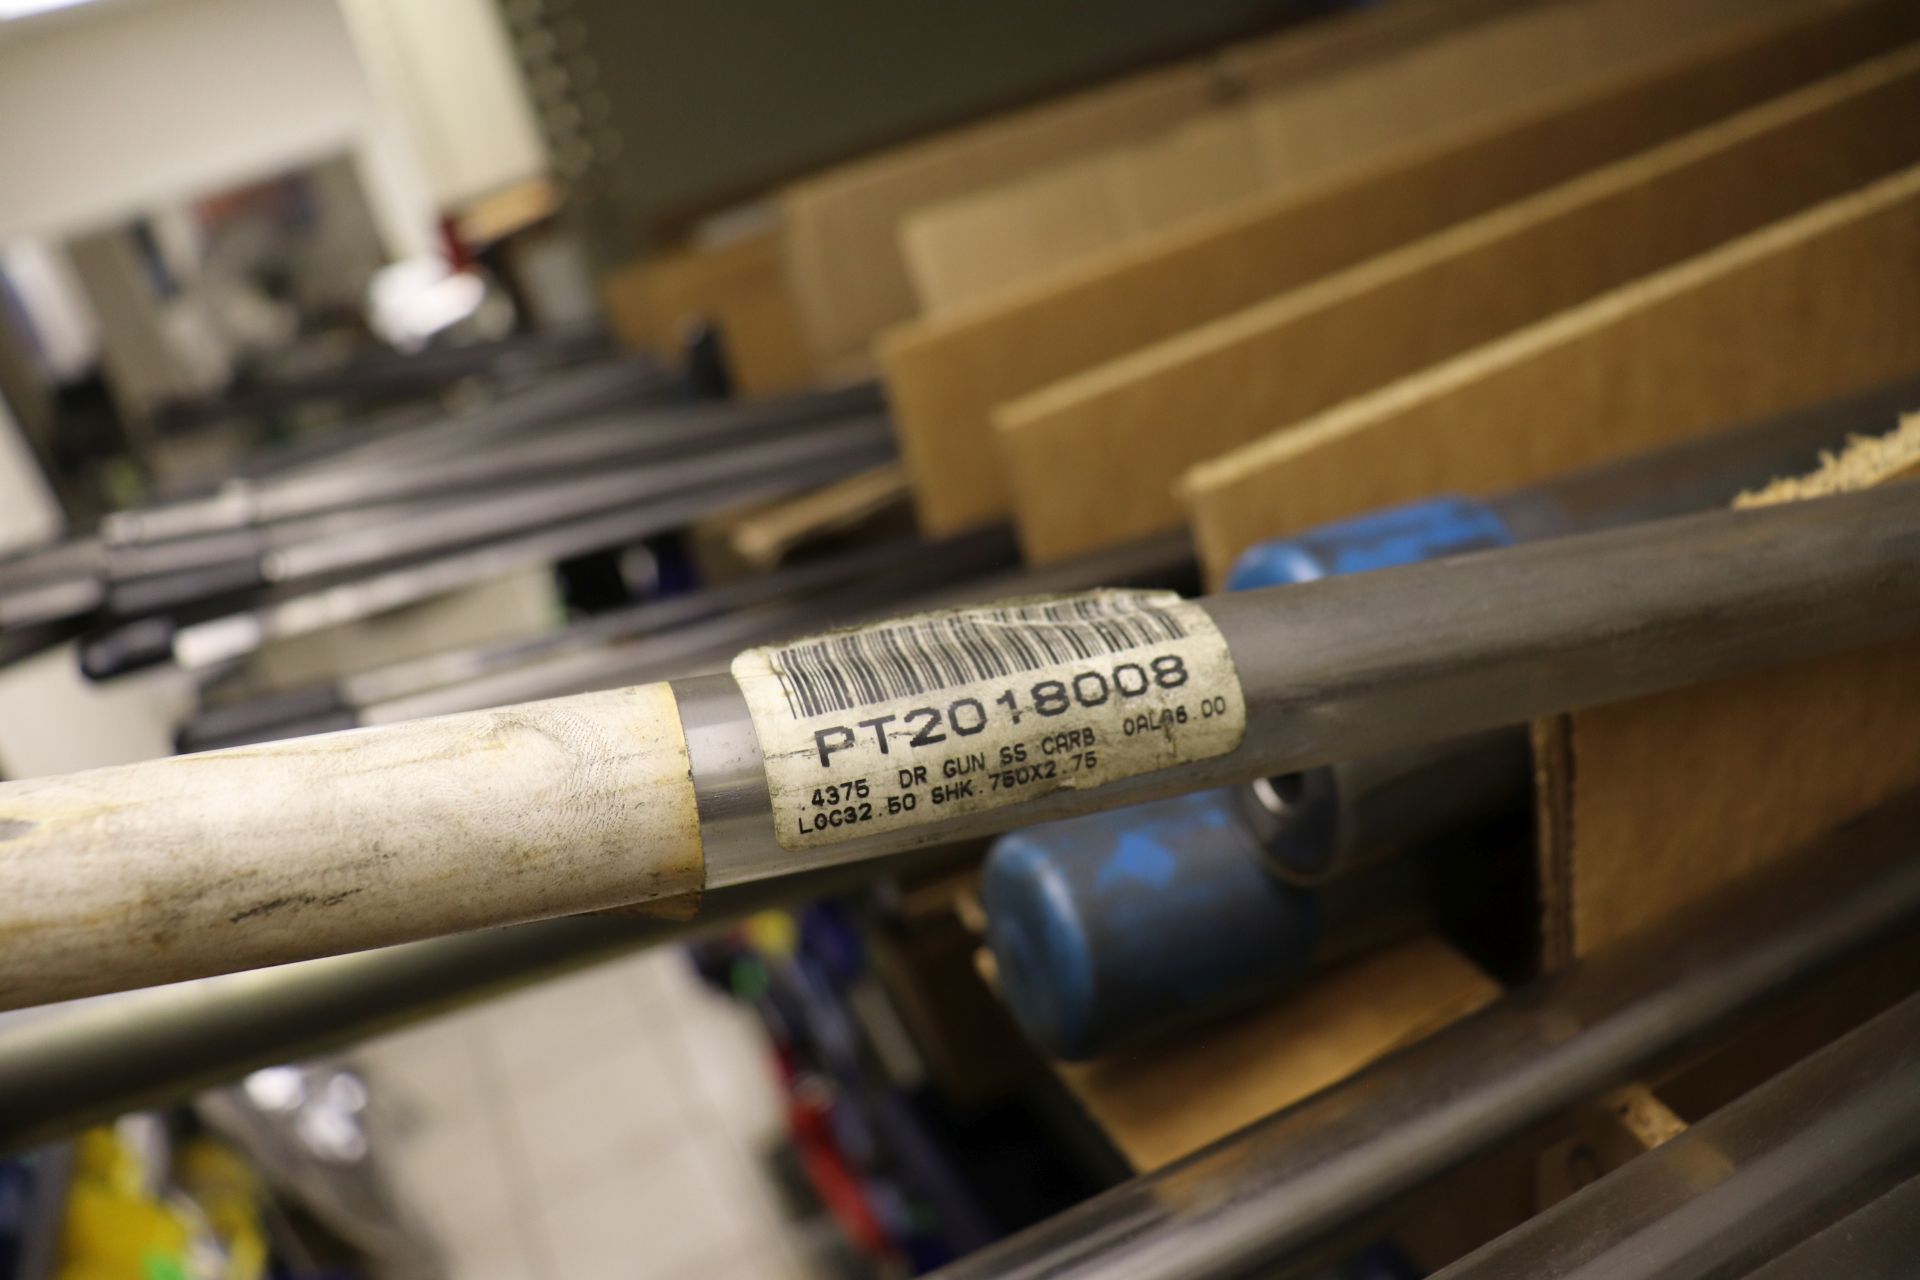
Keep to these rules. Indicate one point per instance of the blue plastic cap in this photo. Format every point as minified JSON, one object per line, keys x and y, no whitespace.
{"x":1385,"y":539}
{"x":1111,"y":927}
{"x":1114,"y":926}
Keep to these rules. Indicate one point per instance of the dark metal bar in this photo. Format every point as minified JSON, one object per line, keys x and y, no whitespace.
{"x":559,"y":397}
{"x":1704,"y":473}
{"x":379,"y":374}
{"x":1880,"y":1242}
{"x":1328,"y":670}
{"x":173,"y":574}
{"x":481,"y":448}
{"x":1346,"y":667}
{"x":1165,"y":562}
{"x":341,"y":702}
{"x":648,"y":434}
{"x":1766,"y":1172}
{"x":65,"y":1066}
{"x":199,"y":645}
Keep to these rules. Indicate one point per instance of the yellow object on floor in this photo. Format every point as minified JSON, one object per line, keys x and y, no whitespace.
{"x":115,"y":1229}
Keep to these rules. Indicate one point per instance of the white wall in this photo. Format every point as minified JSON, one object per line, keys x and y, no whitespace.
{"x":108,"y":109}
{"x":55,"y":720}
{"x":141,"y":104}
{"x":446,"y":68}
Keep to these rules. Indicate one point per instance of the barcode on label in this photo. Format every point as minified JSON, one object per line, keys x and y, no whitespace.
{"x":943,"y":651}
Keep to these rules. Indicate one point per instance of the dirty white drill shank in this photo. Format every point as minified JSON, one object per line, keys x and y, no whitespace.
{"x":232,"y":859}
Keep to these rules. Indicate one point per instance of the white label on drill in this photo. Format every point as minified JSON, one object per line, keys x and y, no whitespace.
{"x":925,"y":718}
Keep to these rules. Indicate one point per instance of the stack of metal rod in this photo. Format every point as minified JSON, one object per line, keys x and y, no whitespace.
{"x":585,"y":461}
{"x":1323,"y":679}
{"x":186,"y":552}
{"x":382,"y":377}
{"x":695,"y":632}
{"x":1335,"y":668}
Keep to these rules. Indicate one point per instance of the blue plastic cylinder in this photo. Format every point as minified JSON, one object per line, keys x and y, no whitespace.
{"x":1113,"y":927}
{"x":1132,"y":921}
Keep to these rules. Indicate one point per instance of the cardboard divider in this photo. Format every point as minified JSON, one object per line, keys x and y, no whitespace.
{"x":1090,"y":457}
{"x":976,"y":245}
{"x":1624,"y":1123}
{"x":844,"y":261}
{"x":946,"y":374}
{"x":1650,"y":805}
{"x":960,"y":251}
{"x":1804,"y":310}
{"x":740,"y":287}
{"x":1163,"y":1102}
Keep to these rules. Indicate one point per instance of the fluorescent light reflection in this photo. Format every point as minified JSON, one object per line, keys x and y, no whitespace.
{"x":10,"y":9}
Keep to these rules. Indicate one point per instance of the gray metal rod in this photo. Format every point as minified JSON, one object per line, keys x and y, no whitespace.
{"x":493,"y":515}
{"x":1787,"y":1160}
{"x":1278,"y":1190}
{"x":1703,"y":473}
{"x":207,"y":644}
{"x":200,"y":646}
{"x":389,"y":374}
{"x":170,"y":574}
{"x":1351,"y":666}
{"x":1879,"y":1242}
{"x":709,"y":646}
{"x":649,"y":434}
{"x":314,"y":846}
{"x":267,"y":717}
{"x":66,"y":1066}
{"x":554,"y":398}
{"x":554,"y":667}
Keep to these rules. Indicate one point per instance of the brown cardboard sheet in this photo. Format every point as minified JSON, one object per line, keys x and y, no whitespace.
{"x":945,"y":374}
{"x":848,"y":276}
{"x":740,"y":287}
{"x":842,"y":259}
{"x":978,"y":244}
{"x":1803,"y":310}
{"x":962,"y":250}
{"x":841,"y":223}
{"x":1089,"y":458}
{"x":1653,"y":803}
{"x":1163,"y":1102}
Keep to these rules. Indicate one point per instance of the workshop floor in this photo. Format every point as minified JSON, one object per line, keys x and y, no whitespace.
{"x":611,"y":1124}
